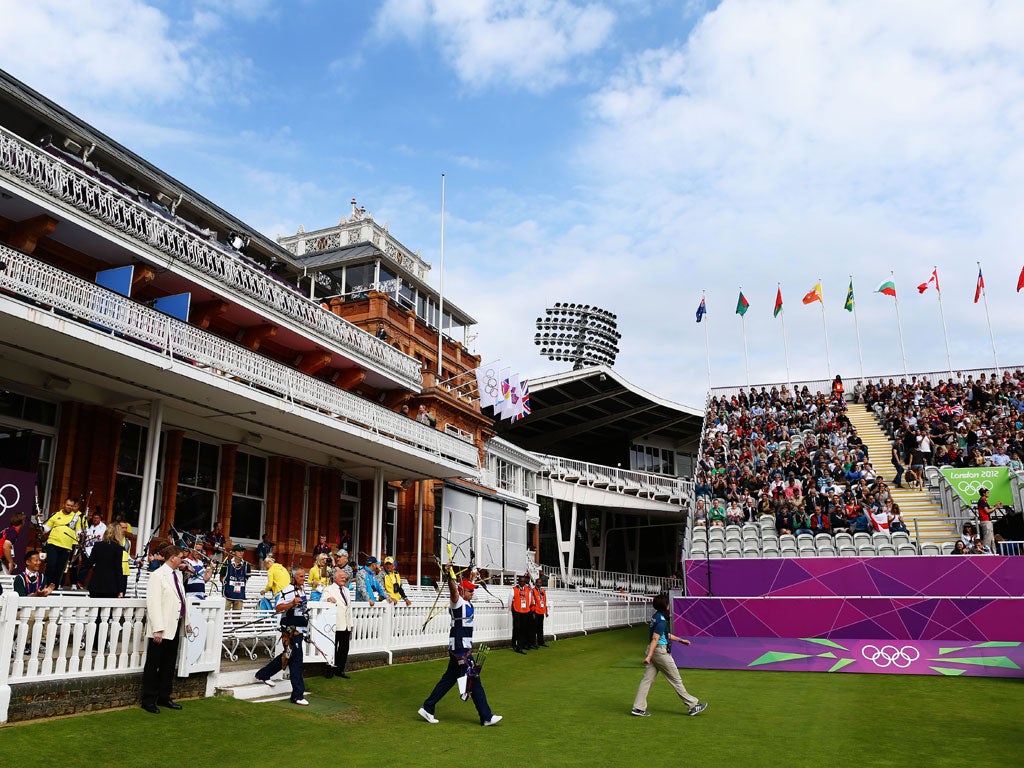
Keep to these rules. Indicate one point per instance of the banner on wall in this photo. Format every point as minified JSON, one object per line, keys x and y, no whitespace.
{"x":969,"y":481}
{"x":17,"y":494}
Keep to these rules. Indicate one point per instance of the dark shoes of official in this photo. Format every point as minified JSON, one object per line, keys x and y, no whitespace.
{"x":153,"y":709}
{"x":169,"y":704}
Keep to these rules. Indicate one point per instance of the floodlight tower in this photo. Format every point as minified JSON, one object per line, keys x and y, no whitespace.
{"x":579,"y":334}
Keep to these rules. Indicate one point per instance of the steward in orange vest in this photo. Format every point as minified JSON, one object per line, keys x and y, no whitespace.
{"x":522,"y":615}
{"x":540,"y":610}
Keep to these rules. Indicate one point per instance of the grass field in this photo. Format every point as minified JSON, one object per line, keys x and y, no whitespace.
{"x":568,"y":705}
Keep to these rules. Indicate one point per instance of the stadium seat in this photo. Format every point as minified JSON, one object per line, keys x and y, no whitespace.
{"x":766,"y":521}
{"x":716,"y":546}
{"x":789,"y":551}
{"x":866,"y":549}
{"x":716,"y":532}
{"x":848,"y":550}
{"x":899,"y":537}
{"x":886,"y":550}
{"x":930,"y":550}
{"x":787,"y":540}
{"x":733,"y":554}
{"x":828,"y":551}
{"x":716,"y":556}
{"x":753,"y":528}
{"x":732,"y":533}
{"x":861,"y":538}
{"x":906,"y":550}
{"x":948,"y":547}
{"x":843,"y":539}
{"x":751,"y":552}
{"x":698,"y":547}
{"x":771,"y":553}
{"x":878,"y":539}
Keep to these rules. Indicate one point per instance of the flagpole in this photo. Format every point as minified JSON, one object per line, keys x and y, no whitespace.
{"x":785,"y":342}
{"x":856,"y":326}
{"x":945,"y":333}
{"x":707,"y":342}
{"x":440,"y":292}
{"x":743,"y":326}
{"x":984,"y":295}
{"x":899,"y":325}
{"x":824,"y":325}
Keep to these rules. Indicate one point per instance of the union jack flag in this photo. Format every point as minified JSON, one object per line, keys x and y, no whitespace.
{"x":524,"y":402}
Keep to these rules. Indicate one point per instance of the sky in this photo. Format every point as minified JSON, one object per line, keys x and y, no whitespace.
{"x":629,"y":154}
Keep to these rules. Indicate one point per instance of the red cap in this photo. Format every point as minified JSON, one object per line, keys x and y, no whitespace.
{"x":467,"y":584}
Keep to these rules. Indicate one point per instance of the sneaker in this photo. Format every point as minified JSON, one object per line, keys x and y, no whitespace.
{"x":301,"y":702}
{"x":697,"y":708}
{"x":269,"y":683}
{"x":427,"y":716}
{"x":495,"y":719}
{"x":640,"y":712}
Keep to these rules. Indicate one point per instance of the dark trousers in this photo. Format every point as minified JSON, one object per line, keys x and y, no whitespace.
{"x":158,"y":673}
{"x":521,"y":639}
{"x":538,"y":626}
{"x":341,"y":643}
{"x":294,"y":669}
{"x":56,"y":562}
{"x":451,"y":677}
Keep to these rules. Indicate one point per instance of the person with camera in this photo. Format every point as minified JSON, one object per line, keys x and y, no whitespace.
{"x":291,"y":607}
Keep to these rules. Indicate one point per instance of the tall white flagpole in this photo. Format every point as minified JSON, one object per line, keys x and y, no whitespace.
{"x":707,"y":342}
{"x":856,"y":327}
{"x":785,"y":342}
{"x":440,"y":292}
{"x":743,"y":326}
{"x":824,"y":325}
{"x":899,"y":325}
{"x":984,"y":295}
{"x":945,"y":334}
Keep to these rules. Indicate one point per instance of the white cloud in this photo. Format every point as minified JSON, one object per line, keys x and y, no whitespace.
{"x":529,"y":44}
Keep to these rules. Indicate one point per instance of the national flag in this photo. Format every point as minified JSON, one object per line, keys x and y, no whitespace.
{"x":888,"y":288}
{"x":848,"y":306}
{"x":702,"y":310}
{"x":979,"y":287}
{"x":814,"y":294}
{"x":487,"y":385}
{"x":503,"y":389}
{"x":933,"y":279}
{"x":524,"y":401}
{"x":778,"y":303}
{"x":1020,"y":281}
{"x":742,"y":305}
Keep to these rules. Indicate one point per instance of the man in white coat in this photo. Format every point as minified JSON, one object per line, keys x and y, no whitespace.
{"x":337,"y":593}
{"x":166,"y":612}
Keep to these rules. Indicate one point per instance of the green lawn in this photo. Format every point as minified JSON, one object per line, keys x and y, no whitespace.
{"x":568,"y":705}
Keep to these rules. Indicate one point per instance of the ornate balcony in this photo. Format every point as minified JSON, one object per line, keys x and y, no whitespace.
{"x":218,"y":358}
{"x":159,"y":234}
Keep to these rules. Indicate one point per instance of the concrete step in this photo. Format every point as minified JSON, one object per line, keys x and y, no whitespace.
{"x":241,"y":684}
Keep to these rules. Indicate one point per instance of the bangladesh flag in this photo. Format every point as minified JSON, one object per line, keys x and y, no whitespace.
{"x":778,"y":303}
{"x":888,"y":288}
{"x":848,"y":306}
{"x":742,"y":305}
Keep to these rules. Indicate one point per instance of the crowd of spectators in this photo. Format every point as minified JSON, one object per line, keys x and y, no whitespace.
{"x":794,"y":455}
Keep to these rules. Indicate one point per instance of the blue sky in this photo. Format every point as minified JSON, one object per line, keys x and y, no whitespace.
{"x":626,"y":153}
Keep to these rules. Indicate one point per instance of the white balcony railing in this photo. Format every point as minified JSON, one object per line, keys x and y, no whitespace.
{"x":47,"y":285}
{"x":616,"y":480}
{"x":155,"y":229}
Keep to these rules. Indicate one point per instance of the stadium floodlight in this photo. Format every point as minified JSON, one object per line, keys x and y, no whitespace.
{"x":580,"y":334}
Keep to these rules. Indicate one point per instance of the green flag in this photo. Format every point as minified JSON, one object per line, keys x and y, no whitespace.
{"x":742,"y":305}
{"x":848,"y":306}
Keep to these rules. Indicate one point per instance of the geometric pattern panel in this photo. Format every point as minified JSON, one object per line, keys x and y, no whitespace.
{"x":977,"y":576}
{"x":870,"y":655}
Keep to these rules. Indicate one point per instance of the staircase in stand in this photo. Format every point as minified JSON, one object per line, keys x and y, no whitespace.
{"x":916,"y":506}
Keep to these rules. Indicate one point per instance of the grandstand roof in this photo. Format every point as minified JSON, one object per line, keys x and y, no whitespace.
{"x":593,"y":414}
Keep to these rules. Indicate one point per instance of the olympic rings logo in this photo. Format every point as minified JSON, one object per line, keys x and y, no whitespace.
{"x":890,"y":655}
{"x":192,"y":633}
{"x":491,"y":382}
{"x":5,"y":503}
{"x":973,"y":487}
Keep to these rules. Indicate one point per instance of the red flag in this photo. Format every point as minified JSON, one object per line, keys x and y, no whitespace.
{"x":980,"y":287}
{"x":778,"y":303}
{"x":1020,"y":281}
{"x":933,"y":279}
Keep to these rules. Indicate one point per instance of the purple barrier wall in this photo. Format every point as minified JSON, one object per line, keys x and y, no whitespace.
{"x":982,"y":576}
{"x":911,"y":635}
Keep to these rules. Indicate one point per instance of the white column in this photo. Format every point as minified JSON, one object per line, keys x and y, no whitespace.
{"x":378,"y":513}
{"x":149,"y":472}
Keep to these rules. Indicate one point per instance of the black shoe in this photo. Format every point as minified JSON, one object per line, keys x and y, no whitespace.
{"x":170,"y":704}
{"x":344,"y":676}
{"x":534,"y":647}
{"x":153,"y":709}
{"x":520,"y":650}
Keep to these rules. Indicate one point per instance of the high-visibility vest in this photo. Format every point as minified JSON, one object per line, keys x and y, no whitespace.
{"x":540,"y":601}
{"x":522,"y":599}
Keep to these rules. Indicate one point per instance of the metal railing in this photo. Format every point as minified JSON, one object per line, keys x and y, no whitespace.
{"x":138,"y":323}
{"x":613,"y":581}
{"x":156,"y":230}
{"x":616,"y":480}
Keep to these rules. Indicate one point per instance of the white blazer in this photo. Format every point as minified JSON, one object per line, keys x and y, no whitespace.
{"x":163,"y":603}
{"x":343,"y":610}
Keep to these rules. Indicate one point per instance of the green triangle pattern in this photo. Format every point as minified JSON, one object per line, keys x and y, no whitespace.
{"x":984,"y":661}
{"x":824,"y":641}
{"x":950,"y":650}
{"x":774,"y":657}
{"x":826,"y":655}
{"x":840,"y":664}
{"x":996,"y":644}
{"x":948,"y":672}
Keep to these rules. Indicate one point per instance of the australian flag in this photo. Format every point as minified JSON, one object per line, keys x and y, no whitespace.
{"x":701,"y":311}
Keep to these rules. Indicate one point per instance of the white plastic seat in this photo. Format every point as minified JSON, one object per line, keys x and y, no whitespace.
{"x":861,"y":538}
{"x":820,"y":537}
{"x":930,"y":550}
{"x":848,"y":551}
{"x":906,"y":550}
{"x":716,"y":532}
{"x":787,"y":539}
{"x":716,"y":555}
{"x":886,"y":550}
{"x":827,"y":552}
{"x":878,"y":539}
{"x":771,"y":554}
{"x":751,"y":552}
{"x":843,"y":539}
{"x":716,"y":546}
{"x":733,"y":554}
{"x":948,"y":547}
{"x":866,"y":550}
{"x":899,"y":537}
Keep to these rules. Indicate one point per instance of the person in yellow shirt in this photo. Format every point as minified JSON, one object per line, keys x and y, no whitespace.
{"x":62,"y":531}
{"x":318,"y":578}
{"x":393,"y":582}
{"x":277,"y":576}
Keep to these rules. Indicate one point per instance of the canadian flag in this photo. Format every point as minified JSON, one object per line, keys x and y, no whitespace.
{"x":927,"y":283}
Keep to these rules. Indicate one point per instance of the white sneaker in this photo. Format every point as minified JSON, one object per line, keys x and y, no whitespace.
{"x":269,"y":683}
{"x":427,"y":716}
{"x":302,"y":702}
{"x":495,"y":719}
